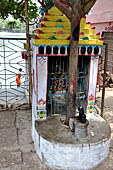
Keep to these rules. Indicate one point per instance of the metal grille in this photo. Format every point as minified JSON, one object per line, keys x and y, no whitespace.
{"x":82,"y":83}
{"x":58,"y":83}
{"x":10,"y":61}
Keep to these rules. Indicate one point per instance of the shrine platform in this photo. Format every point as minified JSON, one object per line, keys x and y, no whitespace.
{"x":57,"y":146}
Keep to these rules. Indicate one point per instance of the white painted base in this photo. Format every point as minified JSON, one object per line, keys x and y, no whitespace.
{"x":80,"y":156}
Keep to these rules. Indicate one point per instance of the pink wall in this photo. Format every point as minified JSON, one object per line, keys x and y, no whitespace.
{"x":102,"y":6}
{"x":102,"y":16}
{"x":99,"y":27}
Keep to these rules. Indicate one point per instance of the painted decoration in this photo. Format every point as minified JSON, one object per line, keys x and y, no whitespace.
{"x":42,"y":74}
{"x":92,"y":83}
{"x":51,"y":25}
{"x":54,"y":30}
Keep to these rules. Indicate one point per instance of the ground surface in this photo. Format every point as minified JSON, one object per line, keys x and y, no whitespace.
{"x":108,"y":115}
{"x":16,"y":145}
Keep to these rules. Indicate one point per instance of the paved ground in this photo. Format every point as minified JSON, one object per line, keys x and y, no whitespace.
{"x":16,"y":145}
{"x":108,"y":115}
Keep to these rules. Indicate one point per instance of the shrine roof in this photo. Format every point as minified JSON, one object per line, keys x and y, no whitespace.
{"x":54,"y":29}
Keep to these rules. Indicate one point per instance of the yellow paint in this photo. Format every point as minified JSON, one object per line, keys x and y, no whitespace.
{"x":87,"y":31}
{"x":90,"y":42}
{"x":83,"y":25}
{"x":58,"y":36}
{"x":89,"y":36}
{"x":83,"y":20}
{"x":54,"y":30}
{"x":65,"y":42}
{"x":25,"y":46}
{"x":65,"y":36}
{"x":93,"y":36}
{"x":55,"y":24}
{"x":54,"y":11}
{"x":51,"y":42}
{"x":51,"y":29}
{"x":64,"y":24}
{"x":55,"y":18}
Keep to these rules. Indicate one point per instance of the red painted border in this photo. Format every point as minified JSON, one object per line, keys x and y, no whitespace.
{"x":97,"y":78}
{"x":37,"y":79}
{"x":52,"y":55}
{"x":89,"y":80}
{"x":47,"y":71}
{"x":47,"y":83}
{"x":66,"y":55}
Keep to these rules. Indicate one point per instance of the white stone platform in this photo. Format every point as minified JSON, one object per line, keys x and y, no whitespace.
{"x":57,"y":146}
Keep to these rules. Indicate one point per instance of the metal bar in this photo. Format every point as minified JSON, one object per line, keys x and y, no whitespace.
{"x":13,"y":74}
{"x":5,"y":70}
{"x":12,"y":51}
{"x":28,"y":51}
{"x":8,"y":93}
{"x":104,"y":78}
{"x":12,"y":38}
{"x":16,"y":46}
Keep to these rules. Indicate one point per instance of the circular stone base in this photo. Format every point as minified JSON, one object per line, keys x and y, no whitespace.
{"x":57,"y":147}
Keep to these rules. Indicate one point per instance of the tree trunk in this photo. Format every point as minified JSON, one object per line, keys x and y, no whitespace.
{"x":73,"y":64}
{"x":76,"y":11}
{"x":28,"y":52}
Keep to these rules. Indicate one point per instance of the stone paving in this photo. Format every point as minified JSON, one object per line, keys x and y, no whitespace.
{"x":107,"y":164}
{"x":16,"y":145}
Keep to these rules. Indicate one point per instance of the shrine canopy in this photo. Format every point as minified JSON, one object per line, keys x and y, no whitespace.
{"x":54,"y":29}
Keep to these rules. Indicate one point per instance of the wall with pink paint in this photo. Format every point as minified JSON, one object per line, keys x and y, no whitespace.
{"x":102,"y":16}
{"x":100,"y":27}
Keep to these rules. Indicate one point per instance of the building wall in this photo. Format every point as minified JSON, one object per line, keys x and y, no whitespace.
{"x":102,"y":16}
{"x":108,"y":38}
{"x":105,"y":26}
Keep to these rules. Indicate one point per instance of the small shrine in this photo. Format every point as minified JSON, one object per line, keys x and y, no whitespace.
{"x":54,"y":142}
{"x":50,"y":44}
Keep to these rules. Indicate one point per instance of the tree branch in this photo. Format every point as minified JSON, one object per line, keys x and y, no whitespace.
{"x":87,"y":6}
{"x":63,"y":8}
{"x":69,"y":2}
{"x":17,"y":3}
{"x":23,"y":5}
{"x":42,"y":3}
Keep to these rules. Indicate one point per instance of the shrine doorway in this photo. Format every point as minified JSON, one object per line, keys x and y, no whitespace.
{"x":57,"y":84}
{"x":57,"y":94}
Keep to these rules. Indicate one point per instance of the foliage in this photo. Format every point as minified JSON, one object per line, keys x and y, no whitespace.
{"x":16,"y":8}
{"x":48,"y":4}
{"x":12,"y":26}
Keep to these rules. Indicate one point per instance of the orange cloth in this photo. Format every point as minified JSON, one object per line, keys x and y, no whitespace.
{"x":18,"y":81}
